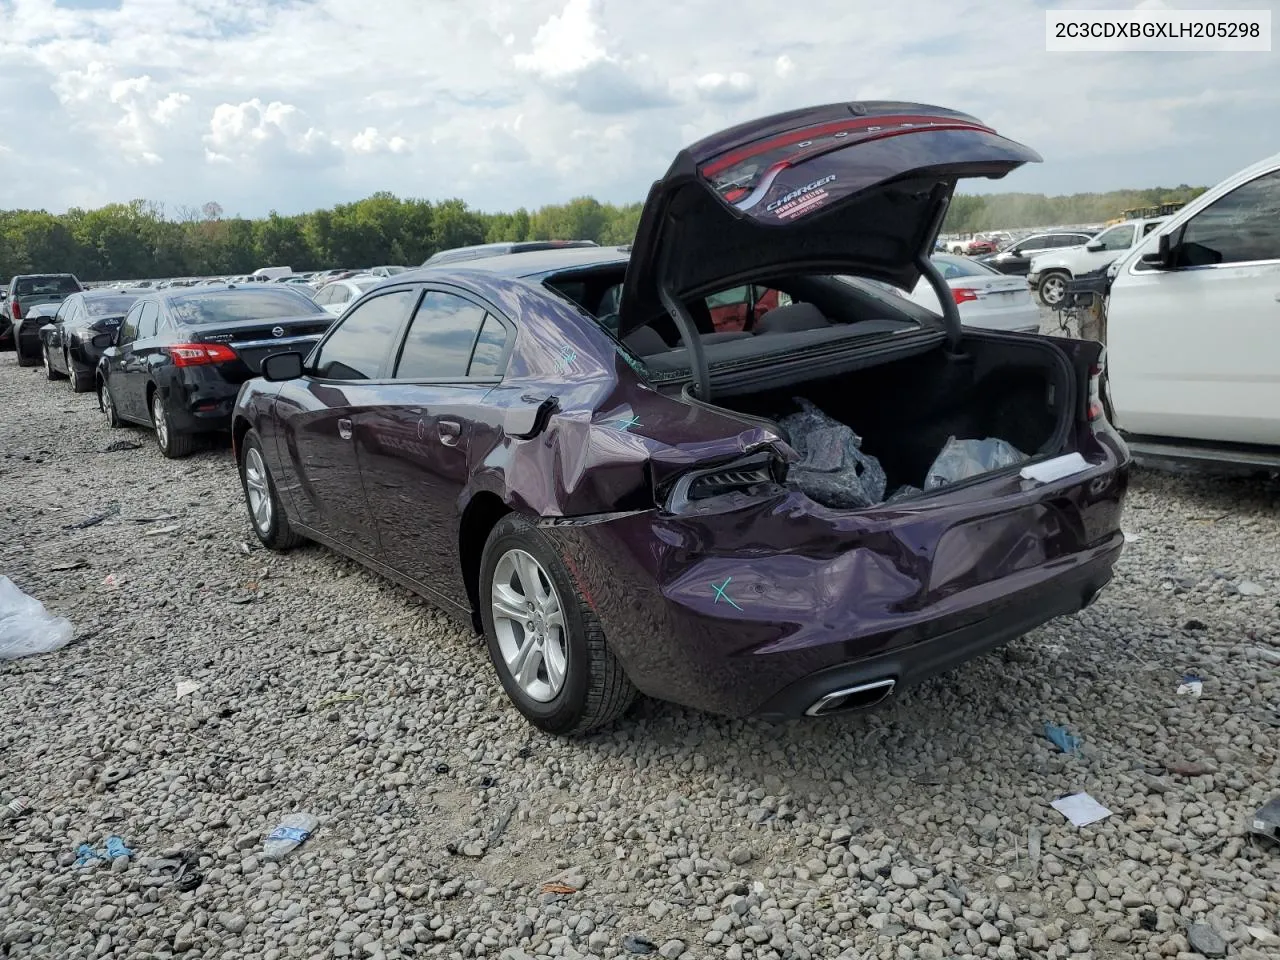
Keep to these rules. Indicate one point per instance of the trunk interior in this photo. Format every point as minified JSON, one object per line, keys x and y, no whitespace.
{"x":905,"y":410}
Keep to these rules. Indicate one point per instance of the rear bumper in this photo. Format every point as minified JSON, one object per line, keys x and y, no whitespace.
{"x":200,"y":401}
{"x":762,"y":610}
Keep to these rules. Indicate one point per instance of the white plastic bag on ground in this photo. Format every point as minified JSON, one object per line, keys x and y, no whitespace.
{"x":26,"y":627}
{"x":962,"y":459}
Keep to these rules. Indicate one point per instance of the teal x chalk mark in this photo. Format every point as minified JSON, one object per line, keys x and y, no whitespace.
{"x":627,"y":424}
{"x":566,"y":359}
{"x":721,"y":595}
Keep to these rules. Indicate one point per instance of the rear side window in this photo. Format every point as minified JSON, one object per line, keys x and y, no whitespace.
{"x":228,"y":306}
{"x":148,"y":319}
{"x":440,"y":339}
{"x":486,"y":359}
{"x":1242,"y":226}
{"x":357,"y":347}
{"x":44,"y":286}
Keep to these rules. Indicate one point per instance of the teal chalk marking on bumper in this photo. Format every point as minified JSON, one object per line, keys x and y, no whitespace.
{"x":721,"y":595}
{"x":628,"y":423}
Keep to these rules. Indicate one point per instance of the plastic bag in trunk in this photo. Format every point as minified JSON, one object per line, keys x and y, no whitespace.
{"x":962,"y":459}
{"x":832,"y":468}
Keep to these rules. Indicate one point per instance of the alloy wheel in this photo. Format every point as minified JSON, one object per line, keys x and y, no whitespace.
{"x":1053,"y":288}
{"x":48,"y":367}
{"x":528,"y":620}
{"x":161,"y":423}
{"x":257,"y":490}
{"x":108,"y":407}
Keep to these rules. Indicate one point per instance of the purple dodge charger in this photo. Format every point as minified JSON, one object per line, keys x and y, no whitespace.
{"x":711,"y":467}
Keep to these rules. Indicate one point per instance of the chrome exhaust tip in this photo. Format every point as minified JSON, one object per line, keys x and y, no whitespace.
{"x":861,"y":697}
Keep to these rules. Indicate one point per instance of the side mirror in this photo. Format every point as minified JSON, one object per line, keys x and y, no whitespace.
{"x":1163,"y":256}
{"x":1093,"y":246}
{"x":282,"y":366}
{"x":103,"y":340}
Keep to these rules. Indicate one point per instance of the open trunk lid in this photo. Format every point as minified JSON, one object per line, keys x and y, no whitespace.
{"x":848,"y":188}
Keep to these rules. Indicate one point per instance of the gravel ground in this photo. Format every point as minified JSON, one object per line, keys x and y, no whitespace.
{"x":921,"y":830}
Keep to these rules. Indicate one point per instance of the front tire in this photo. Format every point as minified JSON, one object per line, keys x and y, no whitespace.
{"x":545,"y":642}
{"x":49,"y":372}
{"x":1053,"y":288}
{"x":107,"y":405}
{"x":266,"y":514}
{"x":173,"y":443}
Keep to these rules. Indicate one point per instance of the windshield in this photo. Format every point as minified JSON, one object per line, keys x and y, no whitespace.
{"x":108,"y":306}
{"x":228,"y":306}
{"x":45,"y":286}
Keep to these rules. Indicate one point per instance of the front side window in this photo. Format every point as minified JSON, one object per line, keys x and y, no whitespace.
{"x":360,"y":343}
{"x":129,"y":329}
{"x":1117,"y":238}
{"x":147,"y":320}
{"x":440,"y":339}
{"x":1241,"y":227}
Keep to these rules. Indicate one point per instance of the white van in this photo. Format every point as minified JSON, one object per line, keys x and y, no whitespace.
{"x":272,"y":273}
{"x":1193,"y":329}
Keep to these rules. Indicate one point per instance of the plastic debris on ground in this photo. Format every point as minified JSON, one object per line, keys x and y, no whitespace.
{"x":289,"y":835}
{"x":832,"y":468}
{"x":1061,"y":739}
{"x":1081,"y":809}
{"x":26,"y":627}
{"x":963,"y":459}
{"x":184,"y":687}
{"x":1191,"y":685}
{"x":113,"y":848}
{"x":1266,"y":822}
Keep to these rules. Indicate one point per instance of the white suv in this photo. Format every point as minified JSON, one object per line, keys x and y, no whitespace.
{"x":1051,"y":271}
{"x":1193,"y":342}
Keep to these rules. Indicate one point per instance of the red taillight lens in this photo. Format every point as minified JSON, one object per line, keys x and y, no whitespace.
{"x":15,"y":310}
{"x":964,"y":294}
{"x":1095,"y":410}
{"x":196,"y":354}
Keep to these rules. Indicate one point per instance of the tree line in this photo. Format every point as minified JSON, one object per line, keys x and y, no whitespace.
{"x":140,"y":239}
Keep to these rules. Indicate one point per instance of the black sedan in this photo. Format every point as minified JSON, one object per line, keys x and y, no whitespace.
{"x":84,"y":326}
{"x":26,"y":332}
{"x":178,"y":359}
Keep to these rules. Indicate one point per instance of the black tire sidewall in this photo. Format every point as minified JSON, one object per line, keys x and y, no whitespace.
{"x":108,"y":405}
{"x":562,"y":713}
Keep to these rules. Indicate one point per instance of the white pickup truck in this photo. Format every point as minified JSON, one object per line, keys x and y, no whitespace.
{"x":1193,"y":329}
{"x":1050,"y":271}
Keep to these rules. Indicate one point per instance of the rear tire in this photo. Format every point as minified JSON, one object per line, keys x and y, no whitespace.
{"x":593,"y":688}
{"x":23,"y":359}
{"x":270,"y":524}
{"x":80,"y":382}
{"x":173,"y":443}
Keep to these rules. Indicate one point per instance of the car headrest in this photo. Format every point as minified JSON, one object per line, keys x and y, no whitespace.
{"x":646,"y":342}
{"x":792,"y":317}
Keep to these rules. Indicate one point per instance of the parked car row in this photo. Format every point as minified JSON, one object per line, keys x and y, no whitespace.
{"x":705,"y":467}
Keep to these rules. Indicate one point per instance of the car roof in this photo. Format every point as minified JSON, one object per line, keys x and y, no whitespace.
{"x":530,"y":264}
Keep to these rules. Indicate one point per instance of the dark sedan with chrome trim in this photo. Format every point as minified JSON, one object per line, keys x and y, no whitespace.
{"x":83,"y":328}
{"x":177,"y":360}
{"x":756,"y":512}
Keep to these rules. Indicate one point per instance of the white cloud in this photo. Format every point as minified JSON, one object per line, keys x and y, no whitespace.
{"x":525,"y":102}
{"x":369,"y":140}
{"x":249,"y":131}
{"x":726,"y":88}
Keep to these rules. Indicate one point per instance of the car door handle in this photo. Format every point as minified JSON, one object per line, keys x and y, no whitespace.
{"x":449,"y":430}
{"x":344,"y":429}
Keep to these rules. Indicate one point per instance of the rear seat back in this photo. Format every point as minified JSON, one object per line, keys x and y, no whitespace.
{"x":792,"y":318}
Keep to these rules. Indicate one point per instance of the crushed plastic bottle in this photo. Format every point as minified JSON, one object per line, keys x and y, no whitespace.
{"x":289,"y":835}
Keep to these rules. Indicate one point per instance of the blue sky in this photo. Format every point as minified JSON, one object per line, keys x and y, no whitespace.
{"x":300,"y":104}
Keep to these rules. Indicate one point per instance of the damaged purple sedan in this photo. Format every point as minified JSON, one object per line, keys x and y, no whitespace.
{"x":723,"y":467}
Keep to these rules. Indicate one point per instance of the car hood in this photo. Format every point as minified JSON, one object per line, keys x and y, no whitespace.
{"x":846,"y":188}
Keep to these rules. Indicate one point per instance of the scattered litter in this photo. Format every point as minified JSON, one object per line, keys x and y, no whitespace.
{"x":334,"y":699}
{"x":181,"y":869}
{"x":159,"y":531}
{"x":1263,"y":936}
{"x":85,"y":855}
{"x":500,"y":827}
{"x":68,"y":565}
{"x":1205,"y":940}
{"x":244,"y":547}
{"x":1061,"y":739}
{"x":1132,"y":537}
{"x":832,"y":468}
{"x":638,"y":943}
{"x":185,"y":687}
{"x":1189,"y":768}
{"x":15,"y":809}
{"x":117,"y":849}
{"x":487,"y":783}
{"x":113,"y":848}
{"x":1194,"y":624}
{"x":442,"y":768}
{"x":1191,"y":685}
{"x":26,"y":627}
{"x":1148,"y":920}
{"x":1266,"y":822}
{"x":167,"y":516}
{"x":111,"y":510}
{"x":1248,"y":588}
{"x":565,"y":883}
{"x":120,"y":445}
{"x":289,"y":835}
{"x":1081,"y":809}
{"x":110,"y":581}
{"x":1033,"y":844}
{"x":962,"y":459}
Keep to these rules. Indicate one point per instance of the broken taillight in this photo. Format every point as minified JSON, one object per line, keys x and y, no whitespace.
{"x":740,"y":476}
{"x":1095,"y":410}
